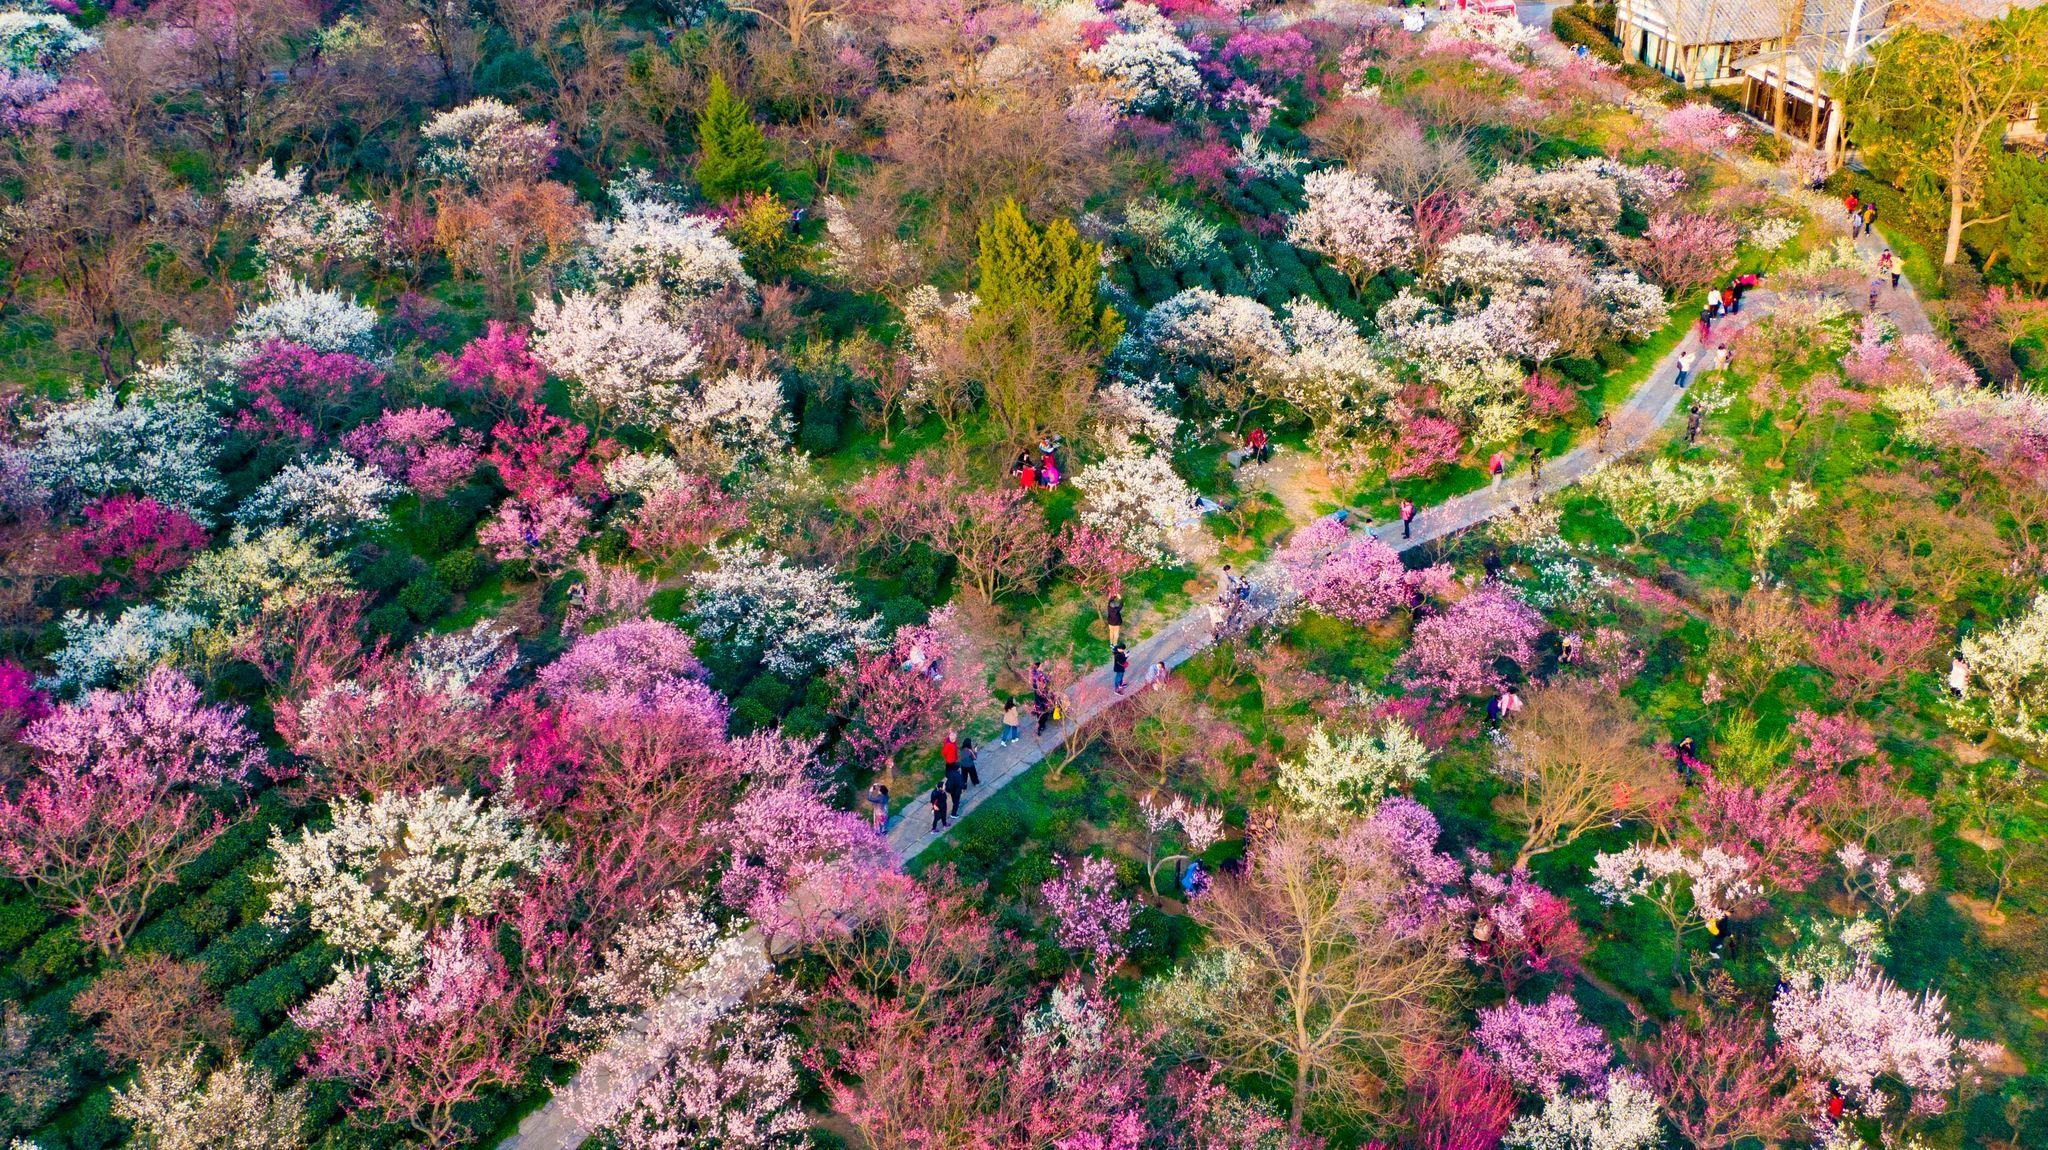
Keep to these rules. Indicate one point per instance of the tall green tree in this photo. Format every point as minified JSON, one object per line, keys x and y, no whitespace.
{"x":1930,"y":109}
{"x":732,"y":155}
{"x":2018,"y":192}
{"x":1049,"y":269}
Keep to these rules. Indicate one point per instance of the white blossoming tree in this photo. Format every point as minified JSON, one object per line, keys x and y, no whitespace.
{"x":98,"y":650}
{"x":262,"y":192}
{"x":1653,"y":497}
{"x":1349,"y":221}
{"x":1329,"y":372}
{"x":626,"y":358}
{"x":800,"y":618}
{"x":1350,"y":772}
{"x":327,"y":500}
{"x":175,"y":1106}
{"x":740,"y":416}
{"x":393,"y":868}
{"x":1858,"y":1031}
{"x":2007,"y":688}
{"x":486,"y":141}
{"x":1219,"y":332}
{"x":1690,"y":887}
{"x":655,"y":244}
{"x":1149,"y":67}
{"x":161,"y":448}
{"x":297,"y":313}
{"x":1136,"y":496}
{"x":1622,"y":1117}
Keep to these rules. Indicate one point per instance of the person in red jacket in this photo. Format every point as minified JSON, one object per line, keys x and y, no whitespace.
{"x":1261,"y":447}
{"x":949,"y":751}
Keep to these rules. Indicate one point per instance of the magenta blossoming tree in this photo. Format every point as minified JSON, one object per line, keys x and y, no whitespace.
{"x":1458,"y":651}
{"x":1347,"y":575}
{"x":908,"y":693}
{"x":127,"y":543}
{"x":1460,"y":1103}
{"x":499,"y":364}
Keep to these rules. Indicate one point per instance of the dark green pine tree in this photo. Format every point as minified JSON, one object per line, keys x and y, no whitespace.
{"x":732,"y":155}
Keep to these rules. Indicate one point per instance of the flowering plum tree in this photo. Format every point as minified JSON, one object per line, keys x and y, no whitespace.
{"x":499,"y":364}
{"x":1090,"y":915}
{"x":176,"y":1106}
{"x":1460,"y":1103}
{"x":1137,"y":497}
{"x":414,"y":447}
{"x":540,"y":455}
{"x":543,"y":535}
{"x":1539,"y":1047}
{"x":636,"y":664}
{"x":1579,"y":760}
{"x":1721,"y":1081}
{"x":486,"y":142}
{"x":1853,"y":1031}
{"x":799,"y":618}
{"x":1519,"y":928}
{"x":1689,"y":888}
{"x":127,"y":542}
{"x":1623,"y":1117}
{"x":1349,"y":773}
{"x":117,"y":804}
{"x":1351,"y":576}
{"x":912,"y":691}
{"x":1458,"y":650}
{"x":2007,"y":688}
{"x":1349,"y":221}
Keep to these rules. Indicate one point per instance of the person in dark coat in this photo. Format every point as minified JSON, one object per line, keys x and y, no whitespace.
{"x":939,"y":820}
{"x":1119,"y":663}
{"x":1113,"y":615}
{"x":967,"y":763}
{"x":956,"y":782}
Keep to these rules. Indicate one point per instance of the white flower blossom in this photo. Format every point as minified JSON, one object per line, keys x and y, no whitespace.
{"x":486,"y":141}
{"x":801,"y":618}
{"x":393,"y":868}
{"x":1623,"y":1117}
{"x":98,"y":650}
{"x":327,"y":500}
{"x":261,"y":193}
{"x":1349,"y":221}
{"x":1350,"y":772}
{"x":1136,"y":496}
{"x":652,"y":243}
{"x":625,"y":358}
{"x":296,"y":313}
{"x":1152,"y":70}
{"x":162,"y":448}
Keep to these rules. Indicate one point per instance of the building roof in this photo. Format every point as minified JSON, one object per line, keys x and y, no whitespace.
{"x":1722,"y":21}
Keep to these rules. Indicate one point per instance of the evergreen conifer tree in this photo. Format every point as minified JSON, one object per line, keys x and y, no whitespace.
{"x":1051,"y":269}
{"x":732,"y":155}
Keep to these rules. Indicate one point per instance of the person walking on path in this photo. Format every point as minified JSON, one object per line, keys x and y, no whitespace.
{"x":1601,"y":427}
{"x":878,"y":798}
{"x":1113,"y":615}
{"x":1042,"y":708}
{"x":1685,"y":359}
{"x":956,"y":782}
{"x":938,"y":800}
{"x":1407,"y":518}
{"x":1875,"y":287}
{"x":1889,"y":265}
{"x":967,"y":765}
{"x":1039,"y":680}
{"x":1119,"y":662}
{"x":1536,"y":466}
{"x":1498,"y":466}
{"x":1012,"y":721}
{"x":1705,"y":327}
{"x":1870,"y":218}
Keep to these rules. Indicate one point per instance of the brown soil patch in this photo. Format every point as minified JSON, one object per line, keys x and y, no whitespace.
{"x":1979,"y":911}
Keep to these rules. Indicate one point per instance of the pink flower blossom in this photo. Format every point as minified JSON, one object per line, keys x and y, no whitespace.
{"x":1539,"y":1047}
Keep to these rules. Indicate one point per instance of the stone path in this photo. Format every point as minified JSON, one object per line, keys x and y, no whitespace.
{"x":1633,"y":424}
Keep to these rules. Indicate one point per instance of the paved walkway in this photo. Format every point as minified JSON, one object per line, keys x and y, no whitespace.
{"x":1633,"y":424}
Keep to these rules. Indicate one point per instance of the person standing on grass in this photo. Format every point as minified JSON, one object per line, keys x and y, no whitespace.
{"x":1601,"y":427}
{"x":956,"y":782}
{"x":1875,"y":287}
{"x":1113,"y":615}
{"x":938,"y":801}
{"x":1119,"y":662}
{"x":1498,"y":467}
{"x":1407,"y":518}
{"x":1692,"y":425}
{"x":1684,"y":368}
{"x":967,"y":766}
{"x":1012,"y":721}
{"x":878,"y":798}
{"x":1870,"y":218}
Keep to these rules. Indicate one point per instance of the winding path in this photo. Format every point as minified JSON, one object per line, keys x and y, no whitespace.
{"x":1633,"y":424}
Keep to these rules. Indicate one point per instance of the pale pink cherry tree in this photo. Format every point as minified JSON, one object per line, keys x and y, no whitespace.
{"x":1097,"y":559}
{"x":1690,"y":889}
{"x":368,"y":724}
{"x":543,"y":535}
{"x":116,"y":802}
{"x":1347,"y":575}
{"x":1870,"y":648}
{"x":1349,"y":221}
{"x":924,"y":683}
{"x":1090,"y":915}
{"x":638,"y":664}
{"x":1772,"y":825}
{"x":1721,"y":1080}
{"x":796,"y":865}
{"x":674,"y":519}
{"x":1686,"y":250}
{"x":1856,"y":1032}
{"x":418,"y":446}
{"x":1078,"y":1079}
{"x":607,"y":593}
{"x":1457,"y":651}
{"x":1542,"y":1046}
{"x":414,"y":1054}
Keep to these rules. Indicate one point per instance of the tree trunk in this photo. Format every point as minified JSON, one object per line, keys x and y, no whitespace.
{"x":1300,"y":1100}
{"x":1954,"y":246}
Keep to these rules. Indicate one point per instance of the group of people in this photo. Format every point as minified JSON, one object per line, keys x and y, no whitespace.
{"x":1723,"y":302}
{"x":1040,"y":468}
{"x":1497,"y":467}
{"x":1862,"y":216}
{"x":1233,"y":595}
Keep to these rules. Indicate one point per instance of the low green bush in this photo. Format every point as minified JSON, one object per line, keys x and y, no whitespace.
{"x":425,"y":597}
{"x":461,"y":569}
